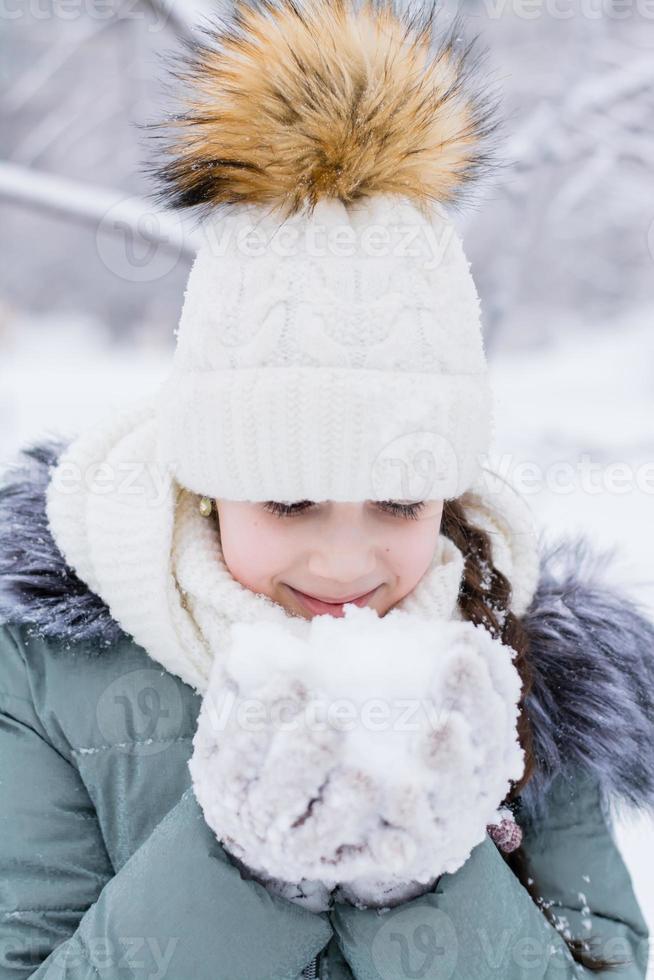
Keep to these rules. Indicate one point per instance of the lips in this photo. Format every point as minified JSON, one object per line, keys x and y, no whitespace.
{"x":321,"y":607}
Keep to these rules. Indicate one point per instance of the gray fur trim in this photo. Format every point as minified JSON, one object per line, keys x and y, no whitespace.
{"x":37,"y":588}
{"x":592,"y":655}
{"x":591,"y":647}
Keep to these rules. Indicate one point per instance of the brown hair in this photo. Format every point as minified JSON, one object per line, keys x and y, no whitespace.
{"x":485,"y":599}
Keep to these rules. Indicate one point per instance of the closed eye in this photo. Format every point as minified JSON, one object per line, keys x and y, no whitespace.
{"x":409,"y":511}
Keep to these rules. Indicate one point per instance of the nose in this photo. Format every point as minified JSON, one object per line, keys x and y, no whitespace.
{"x":344,"y":555}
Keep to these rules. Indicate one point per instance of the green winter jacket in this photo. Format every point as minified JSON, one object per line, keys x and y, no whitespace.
{"x":109,"y":869}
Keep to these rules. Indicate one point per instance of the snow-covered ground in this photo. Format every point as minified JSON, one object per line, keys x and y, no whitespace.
{"x":591,"y":395}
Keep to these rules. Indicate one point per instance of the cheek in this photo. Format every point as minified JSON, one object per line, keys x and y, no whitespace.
{"x":411,"y":552}
{"x":254,"y":550}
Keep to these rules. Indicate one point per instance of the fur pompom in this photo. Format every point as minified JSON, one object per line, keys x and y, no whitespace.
{"x":290,"y":102}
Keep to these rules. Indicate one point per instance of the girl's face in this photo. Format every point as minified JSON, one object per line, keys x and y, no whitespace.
{"x":307,"y":556}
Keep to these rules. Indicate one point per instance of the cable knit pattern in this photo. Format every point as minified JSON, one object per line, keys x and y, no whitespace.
{"x":364,"y":371}
{"x":385,"y":312}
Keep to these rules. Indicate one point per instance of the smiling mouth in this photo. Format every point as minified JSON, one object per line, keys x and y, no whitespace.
{"x":332,"y":608}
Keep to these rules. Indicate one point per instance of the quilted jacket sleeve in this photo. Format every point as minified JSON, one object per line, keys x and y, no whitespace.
{"x":480,"y":923}
{"x":177,"y":908}
{"x":580,"y":874}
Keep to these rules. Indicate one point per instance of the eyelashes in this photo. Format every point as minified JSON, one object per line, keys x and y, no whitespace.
{"x":408,"y":511}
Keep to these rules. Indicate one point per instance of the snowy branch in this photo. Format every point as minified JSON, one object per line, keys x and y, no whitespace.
{"x":93,"y":205}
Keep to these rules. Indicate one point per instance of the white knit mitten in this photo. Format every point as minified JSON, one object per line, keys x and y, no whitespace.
{"x":363,"y":753}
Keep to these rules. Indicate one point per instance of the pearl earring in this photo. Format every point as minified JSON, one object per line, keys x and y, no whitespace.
{"x":206,"y":506}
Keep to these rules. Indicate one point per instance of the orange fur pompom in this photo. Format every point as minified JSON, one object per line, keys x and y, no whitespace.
{"x":290,"y":102}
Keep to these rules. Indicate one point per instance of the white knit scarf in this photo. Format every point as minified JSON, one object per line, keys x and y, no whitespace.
{"x":139,"y":541}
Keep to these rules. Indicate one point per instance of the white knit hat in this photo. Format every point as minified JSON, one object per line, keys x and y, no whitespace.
{"x":330,"y":343}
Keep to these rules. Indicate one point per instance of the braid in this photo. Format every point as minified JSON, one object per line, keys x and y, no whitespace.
{"x":484,"y":599}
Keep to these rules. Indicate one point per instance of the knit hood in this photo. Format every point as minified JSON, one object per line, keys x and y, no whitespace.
{"x":592,"y":647}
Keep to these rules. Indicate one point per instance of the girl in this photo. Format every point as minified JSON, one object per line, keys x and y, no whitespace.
{"x":299,"y":520}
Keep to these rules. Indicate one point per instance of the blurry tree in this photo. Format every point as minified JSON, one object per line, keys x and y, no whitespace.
{"x":562,"y":237}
